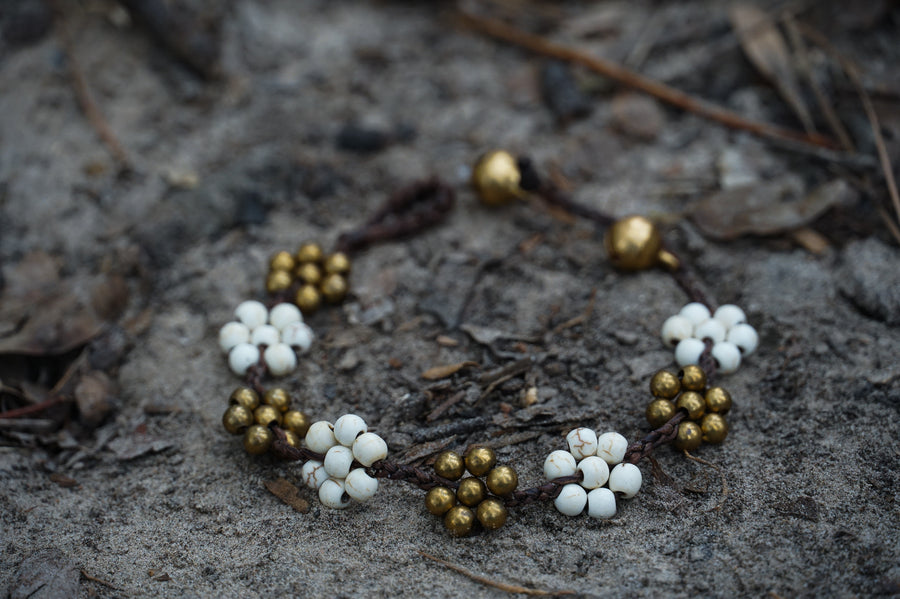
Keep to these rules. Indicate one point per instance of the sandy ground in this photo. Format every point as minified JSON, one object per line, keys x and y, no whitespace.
{"x":163,"y":502}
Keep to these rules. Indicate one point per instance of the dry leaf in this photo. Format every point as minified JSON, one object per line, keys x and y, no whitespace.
{"x":64,"y":481}
{"x":94,"y":397}
{"x":442,"y":372}
{"x":137,"y":444}
{"x":44,"y":574}
{"x":288,"y":493}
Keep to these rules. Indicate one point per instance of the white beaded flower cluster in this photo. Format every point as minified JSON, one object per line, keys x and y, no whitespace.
{"x":343,"y":443}
{"x":280,"y":331}
{"x":732,"y":337}
{"x":593,"y":456}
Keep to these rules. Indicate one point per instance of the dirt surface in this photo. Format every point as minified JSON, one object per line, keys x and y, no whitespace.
{"x":146,"y":494}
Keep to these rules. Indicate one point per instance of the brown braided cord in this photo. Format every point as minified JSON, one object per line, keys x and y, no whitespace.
{"x":546,"y":492}
{"x":664,"y":434}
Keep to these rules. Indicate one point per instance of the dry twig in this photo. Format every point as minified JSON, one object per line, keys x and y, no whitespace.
{"x":721,"y":502}
{"x":509,"y":588}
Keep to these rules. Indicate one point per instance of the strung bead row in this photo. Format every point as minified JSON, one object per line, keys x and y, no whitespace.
{"x":275,"y":334}
{"x":727,"y":329}
{"x":311,"y":275}
{"x":248,"y":416}
{"x":687,"y":391}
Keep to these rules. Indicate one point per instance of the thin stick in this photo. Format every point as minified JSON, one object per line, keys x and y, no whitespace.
{"x":509,"y":588}
{"x":721,"y":476}
{"x":670,"y":95}
{"x":100,"y":581}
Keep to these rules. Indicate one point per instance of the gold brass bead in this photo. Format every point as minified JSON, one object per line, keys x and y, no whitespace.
{"x":278,"y":398}
{"x":693,"y":402}
{"x":296,"y":421}
{"x":502,"y":480}
{"x":633,"y":243}
{"x":480,"y":459}
{"x":292,"y":438}
{"x":334,"y":288}
{"x":309,"y":252}
{"x":278,"y":280}
{"x":236,"y":419}
{"x":459,"y":520}
{"x":491,"y":513}
{"x":689,"y":436}
{"x":449,"y":465}
{"x":659,"y":412}
{"x":714,"y":428}
{"x":439,"y":500}
{"x":718,"y":400}
{"x":309,"y":273}
{"x":282,"y":261}
{"x":337,"y":264}
{"x":265,"y":414}
{"x":496,"y":178}
{"x":245,"y":396}
{"x":308,"y":299}
{"x":471,"y":491}
{"x":665,"y":385}
{"x":258,"y":439}
{"x":692,"y":378}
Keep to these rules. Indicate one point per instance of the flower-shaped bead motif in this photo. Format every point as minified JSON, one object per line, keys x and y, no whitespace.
{"x":727,"y":329}
{"x":278,"y":335}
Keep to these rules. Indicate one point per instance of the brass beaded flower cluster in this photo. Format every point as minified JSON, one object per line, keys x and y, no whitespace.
{"x":310,"y":275}
{"x":687,"y":391}
{"x":248,"y":416}
{"x":474,"y":498}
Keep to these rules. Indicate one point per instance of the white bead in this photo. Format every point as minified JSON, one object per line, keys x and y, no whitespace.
{"x":582,"y":442}
{"x":745,"y":337}
{"x":626,"y":480}
{"x":612,"y":447}
{"x":338,"y":460}
{"x":232,"y":334}
{"x":710,"y":328}
{"x":559,"y":463}
{"x":727,"y":355}
{"x":688,"y":351}
{"x":729,"y":315}
{"x":596,"y":472}
{"x":332,"y":495}
{"x":320,"y":437}
{"x":298,"y":335}
{"x":314,"y":474}
{"x":241,"y":357}
{"x":676,"y":328}
{"x":695,"y":312}
{"x":571,"y":500}
{"x":348,"y":427}
{"x":359,"y":485}
{"x":369,"y":448}
{"x":280,"y":359}
{"x":265,"y":334}
{"x":601,"y":503}
{"x":284,"y":314}
{"x":252,"y":313}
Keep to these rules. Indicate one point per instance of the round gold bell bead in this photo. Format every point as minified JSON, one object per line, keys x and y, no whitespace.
{"x":236,"y":419}
{"x":337,"y":263}
{"x":693,"y":378}
{"x":714,"y":428}
{"x":479,"y":460}
{"x":665,"y":385}
{"x":334,"y":288}
{"x":659,"y":412}
{"x":258,"y":439}
{"x":309,"y":273}
{"x":689,"y":436}
{"x":308,"y":299}
{"x":502,"y":480}
{"x":439,"y":500}
{"x":693,"y":402}
{"x":278,"y":398}
{"x":718,"y":400}
{"x":459,"y":520}
{"x":491,"y":513}
{"x":245,"y":396}
{"x":278,"y":280}
{"x":633,"y":243}
{"x":449,"y":465}
{"x":471,"y":491}
{"x":265,"y":414}
{"x":496,"y":178}
{"x":296,"y":421}
{"x":310,"y":252}
{"x":292,"y":439}
{"x":282,"y":261}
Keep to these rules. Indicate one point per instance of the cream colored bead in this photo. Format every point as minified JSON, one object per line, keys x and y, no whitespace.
{"x":612,"y":447}
{"x":241,"y":357}
{"x":348,"y":427}
{"x":695,"y":312}
{"x":727,"y":356}
{"x":265,"y":334}
{"x":595,"y":471}
{"x":676,"y":328}
{"x":284,"y":314}
{"x":571,"y":500}
{"x":332,"y":494}
{"x":744,"y":337}
{"x":314,"y":474}
{"x":369,"y":448}
{"x":688,"y":351}
{"x":559,"y":463}
{"x":320,"y":437}
{"x":359,"y":485}
{"x":711,"y":329}
{"x":729,"y":315}
{"x":231,"y":334}
{"x":625,"y":479}
{"x":601,"y":504}
{"x":582,"y":442}
{"x":280,"y":359}
{"x":252,"y":313}
{"x":337,"y":461}
{"x":298,"y":335}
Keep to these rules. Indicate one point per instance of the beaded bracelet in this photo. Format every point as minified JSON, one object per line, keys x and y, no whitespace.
{"x":344,"y":461}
